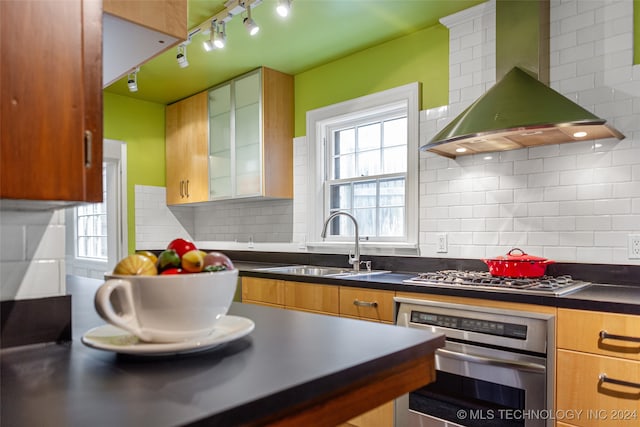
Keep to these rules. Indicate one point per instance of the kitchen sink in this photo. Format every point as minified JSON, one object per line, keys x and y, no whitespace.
{"x":312,"y":270}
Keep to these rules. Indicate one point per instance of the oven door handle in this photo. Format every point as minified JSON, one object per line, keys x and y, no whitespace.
{"x":465,"y":357}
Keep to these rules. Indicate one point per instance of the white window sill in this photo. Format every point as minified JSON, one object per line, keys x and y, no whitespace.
{"x":366,"y":248}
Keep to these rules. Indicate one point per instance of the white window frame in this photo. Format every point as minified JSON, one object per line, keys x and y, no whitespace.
{"x":320,"y":122}
{"x":115,"y":157}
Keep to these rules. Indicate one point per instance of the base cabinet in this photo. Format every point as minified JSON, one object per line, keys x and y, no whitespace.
{"x":598,"y":368}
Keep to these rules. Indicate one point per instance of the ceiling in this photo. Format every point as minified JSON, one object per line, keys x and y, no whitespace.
{"x":315,"y":32}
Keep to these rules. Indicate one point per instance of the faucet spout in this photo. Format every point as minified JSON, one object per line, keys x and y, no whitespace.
{"x":355,"y":258}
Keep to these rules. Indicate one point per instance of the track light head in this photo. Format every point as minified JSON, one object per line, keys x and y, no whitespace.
{"x":132,"y":80}
{"x":283,"y":8}
{"x":251,"y":25}
{"x":220,"y":36}
{"x":181,"y":57}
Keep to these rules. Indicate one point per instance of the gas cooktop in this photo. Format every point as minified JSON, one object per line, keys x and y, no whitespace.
{"x":484,"y":281}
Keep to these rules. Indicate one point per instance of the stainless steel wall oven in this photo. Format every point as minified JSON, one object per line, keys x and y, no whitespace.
{"x":496,"y":369}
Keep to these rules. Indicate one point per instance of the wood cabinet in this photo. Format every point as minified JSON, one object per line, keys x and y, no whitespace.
{"x":251,"y":136}
{"x":137,"y":31}
{"x":593,"y":346}
{"x":263,"y":291}
{"x":316,"y":298}
{"x":51,"y":102}
{"x":368,"y":304}
{"x":186,"y":150}
{"x":233,"y":141}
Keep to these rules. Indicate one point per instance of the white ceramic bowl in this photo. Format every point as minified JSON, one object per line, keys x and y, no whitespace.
{"x":167,"y":308}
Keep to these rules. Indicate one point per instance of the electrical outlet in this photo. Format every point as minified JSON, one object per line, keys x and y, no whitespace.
{"x":634,"y":246}
{"x":441,"y":243}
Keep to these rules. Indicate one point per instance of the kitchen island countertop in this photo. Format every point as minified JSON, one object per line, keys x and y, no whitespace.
{"x":294,"y":368}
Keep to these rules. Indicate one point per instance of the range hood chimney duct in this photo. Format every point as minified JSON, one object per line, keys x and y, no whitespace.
{"x":521,"y":110}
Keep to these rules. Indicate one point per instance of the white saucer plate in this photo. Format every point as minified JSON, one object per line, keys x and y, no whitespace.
{"x":110,"y":338}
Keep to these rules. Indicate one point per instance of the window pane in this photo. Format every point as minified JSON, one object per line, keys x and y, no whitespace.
{"x":340,"y":197}
{"x":345,"y":141}
{"x":369,"y":137}
{"x":344,"y":167}
{"x":392,"y":192}
{"x":395,"y":132}
{"x":364,"y":194}
{"x":395,"y":159}
{"x":366,"y":221}
{"x":369,"y":163}
{"x":391,"y":222}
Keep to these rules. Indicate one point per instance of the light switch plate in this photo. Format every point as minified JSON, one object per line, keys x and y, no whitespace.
{"x":441,"y":243}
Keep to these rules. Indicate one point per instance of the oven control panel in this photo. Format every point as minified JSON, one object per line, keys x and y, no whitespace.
{"x":489,"y":327}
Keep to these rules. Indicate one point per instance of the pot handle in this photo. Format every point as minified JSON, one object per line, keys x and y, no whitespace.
{"x":522,"y":253}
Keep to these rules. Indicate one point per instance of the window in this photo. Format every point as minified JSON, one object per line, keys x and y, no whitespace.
{"x":91,"y":227}
{"x":367,"y":175}
{"x":96,"y":235}
{"x":365,"y":162}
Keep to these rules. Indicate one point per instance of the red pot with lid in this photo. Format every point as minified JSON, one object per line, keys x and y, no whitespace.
{"x":516,"y":263}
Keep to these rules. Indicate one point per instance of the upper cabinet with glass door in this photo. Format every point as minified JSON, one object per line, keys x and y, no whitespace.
{"x":251,"y":136}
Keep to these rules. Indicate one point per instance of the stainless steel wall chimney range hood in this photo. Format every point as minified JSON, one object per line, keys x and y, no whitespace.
{"x":519,"y":111}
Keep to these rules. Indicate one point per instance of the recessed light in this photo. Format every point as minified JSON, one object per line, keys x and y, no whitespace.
{"x":460,"y":150}
{"x":580,"y":134}
{"x":487,"y":157}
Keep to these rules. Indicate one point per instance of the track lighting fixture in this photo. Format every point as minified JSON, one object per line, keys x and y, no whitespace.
{"x":283,"y":8}
{"x":132,"y":80}
{"x":209,"y":44}
{"x":220,"y":36}
{"x":181,"y":57}
{"x":215,"y":26}
{"x":251,"y":25}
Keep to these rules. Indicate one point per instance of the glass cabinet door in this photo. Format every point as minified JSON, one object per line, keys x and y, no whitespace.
{"x":248,"y":170}
{"x":220,"y":159}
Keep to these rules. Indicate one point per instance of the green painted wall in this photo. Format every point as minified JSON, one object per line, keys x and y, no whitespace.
{"x":636,"y":31}
{"x":141,"y":125}
{"x":422,"y":56}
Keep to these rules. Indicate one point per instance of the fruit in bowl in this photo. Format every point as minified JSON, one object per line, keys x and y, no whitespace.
{"x":180,"y":257}
{"x":190,"y":291}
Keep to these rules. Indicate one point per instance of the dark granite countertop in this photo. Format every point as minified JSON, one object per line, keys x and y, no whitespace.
{"x":600,"y":297}
{"x":290,"y":360}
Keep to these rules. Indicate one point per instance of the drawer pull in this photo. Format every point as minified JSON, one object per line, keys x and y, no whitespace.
{"x":605,"y":379}
{"x":358,"y":303}
{"x":606,"y":335}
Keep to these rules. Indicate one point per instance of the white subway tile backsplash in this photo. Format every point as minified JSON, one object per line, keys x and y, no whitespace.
{"x":521,"y":167}
{"x":612,"y":206}
{"x":542,"y":238}
{"x":472,"y":224}
{"x":575,"y":208}
{"x":12,"y":243}
{"x":626,"y":222}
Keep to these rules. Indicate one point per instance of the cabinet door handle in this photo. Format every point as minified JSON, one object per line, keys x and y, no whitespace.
{"x":187,"y":189}
{"x":606,"y":335}
{"x":88,"y":141}
{"x":603,"y":378}
{"x":359,"y":303}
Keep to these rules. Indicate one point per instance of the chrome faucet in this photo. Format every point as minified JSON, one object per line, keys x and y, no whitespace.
{"x":354,"y":258}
